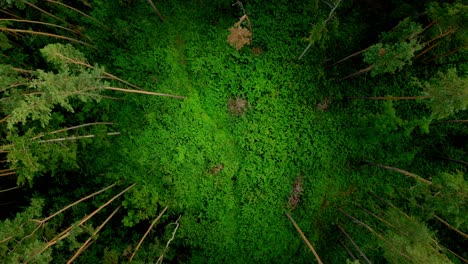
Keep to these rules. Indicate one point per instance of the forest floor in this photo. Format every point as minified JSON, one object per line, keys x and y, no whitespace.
{"x":254,"y":126}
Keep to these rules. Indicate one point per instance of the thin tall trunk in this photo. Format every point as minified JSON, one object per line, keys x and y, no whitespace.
{"x":347,"y":249}
{"x":376,"y":216}
{"x":76,"y":137}
{"x":391,"y":205}
{"x":71,"y":128}
{"x":87,"y":243}
{"x":92,"y":67}
{"x":390,"y":97}
{"x":455,"y":160}
{"x":11,"y":189}
{"x":147,"y":232}
{"x":82,"y":13}
{"x":143,"y":92}
{"x":451,"y":227}
{"x":370,"y":229}
{"x":445,"y":54}
{"x":5,"y":170}
{"x":38,"y":22}
{"x":7,"y":174}
{"x":357,"y":221}
{"x":448,"y":32}
{"x":456,"y":121}
{"x":304,"y":238}
{"x":349,"y":57}
{"x":75,"y":203}
{"x":354,"y":244}
{"x":156,"y":10}
{"x":47,"y":35}
{"x":362,"y":71}
{"x":160,"y":259}
{"x":406,"y":173}
{"x":426,"y":50}
{"x":64,"y":234}
{"x":8,"y":13}
{"x":44,"y":12}
{"x":4,"y":119}
{"x":15,"y":60}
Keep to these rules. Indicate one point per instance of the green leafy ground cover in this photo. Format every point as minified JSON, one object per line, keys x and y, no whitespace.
{"x":254,"y":125}
{"x":173,"y":146}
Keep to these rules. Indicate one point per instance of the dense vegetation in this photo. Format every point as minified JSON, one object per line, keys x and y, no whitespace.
{"x":221,"y":132}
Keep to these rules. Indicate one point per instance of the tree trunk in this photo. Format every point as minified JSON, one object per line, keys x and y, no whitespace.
{"x":350,"y":56}
{"x":147,"y":232}
{"x":82,"y":13}
{"x":38,"y":22}
{"x":362,"y":71}
{"x":409,"y":174}
{"x":354,"y":244}
{"x":451,"y":227}
{"x":47,"y":35}
{"x":156,"y":10}
{"x":304,"y":238}
{"x":88,"y":242}
{"x":390,"y":97}
{"x":64,"y":234}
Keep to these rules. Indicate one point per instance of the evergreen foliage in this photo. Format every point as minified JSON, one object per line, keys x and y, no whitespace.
{"x":223,"y":144}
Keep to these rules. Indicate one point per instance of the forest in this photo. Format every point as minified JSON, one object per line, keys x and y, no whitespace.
{"x":248,"y":131}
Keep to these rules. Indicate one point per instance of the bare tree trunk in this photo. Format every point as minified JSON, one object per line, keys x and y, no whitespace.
{"x":409,"y":174}
{"x":354,"y":244}
{"x":347,"y":249}
{"x":451,"y":227}
{"x":82,"y":13}
{"x":349,"y":57}
{"x":147,"y":232}
{"x":38,"y":22}
{"x":455,"y":160}
{"x":389,"y":98}
{"x":304,"y":238}
{"x":64,"y":234}
{"x":88,"y":242}
{"x":362,"y":71}
{"x":47,"y":35}
{"x":156,"y":10}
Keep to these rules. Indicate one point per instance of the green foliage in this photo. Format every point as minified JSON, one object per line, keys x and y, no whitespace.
{"x":410,"y":241}
{"x":231,"y":175}
{"x":16,"y":244}
{"x":448,"y":93}
{"x":387,"y":58}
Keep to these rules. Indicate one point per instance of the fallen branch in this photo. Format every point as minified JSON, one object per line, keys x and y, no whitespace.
{"x":147,"y":232}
